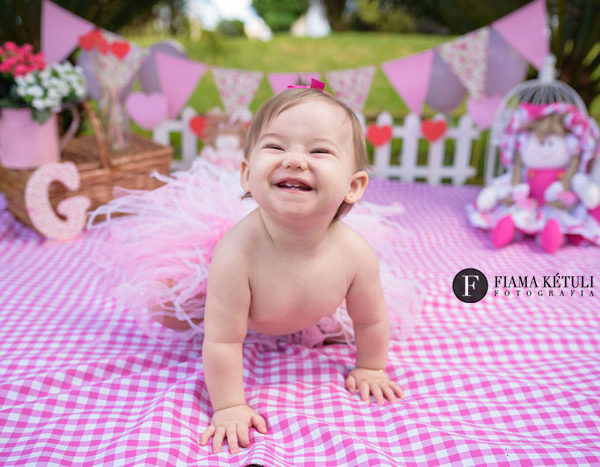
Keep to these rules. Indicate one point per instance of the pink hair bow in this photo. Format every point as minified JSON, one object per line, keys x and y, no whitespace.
{"x":314,"y":84}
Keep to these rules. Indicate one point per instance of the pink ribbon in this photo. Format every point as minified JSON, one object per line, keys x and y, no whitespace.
{"x":314,"y":84}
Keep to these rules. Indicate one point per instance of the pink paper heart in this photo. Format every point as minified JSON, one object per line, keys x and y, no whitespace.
{"x":147,"y":110}
{"x":482,"y":110}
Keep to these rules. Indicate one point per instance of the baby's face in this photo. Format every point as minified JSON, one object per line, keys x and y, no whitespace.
{"x":303,"y":163}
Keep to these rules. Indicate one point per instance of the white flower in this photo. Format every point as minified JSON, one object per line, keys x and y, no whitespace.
{"x":54,"y":94}
{"x":35,"y":91}
{"x":38,"y":103}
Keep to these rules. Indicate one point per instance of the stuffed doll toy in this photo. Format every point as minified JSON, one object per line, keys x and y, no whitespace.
{"x":224,"y":138}
{"x":546,"y":191}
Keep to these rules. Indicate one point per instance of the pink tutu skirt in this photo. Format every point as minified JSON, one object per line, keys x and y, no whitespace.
{"x":156,"y":259}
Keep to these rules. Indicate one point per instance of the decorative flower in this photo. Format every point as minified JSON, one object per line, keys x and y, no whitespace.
{"x":26,"y":81}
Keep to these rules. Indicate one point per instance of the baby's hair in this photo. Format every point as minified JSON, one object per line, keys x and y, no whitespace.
{"x":295,"y":96}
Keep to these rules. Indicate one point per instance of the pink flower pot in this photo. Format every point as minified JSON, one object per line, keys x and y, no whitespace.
{"x":25,"y":144}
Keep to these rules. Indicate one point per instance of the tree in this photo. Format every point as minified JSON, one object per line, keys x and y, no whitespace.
{"x":21,"y":18}
{"x":280,"y":14}
{"x":575,"y":42}
{"x":335,"y":9}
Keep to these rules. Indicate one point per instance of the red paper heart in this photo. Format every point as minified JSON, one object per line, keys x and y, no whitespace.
{"x":120,"y":49}
{"x":379,"y":135}
{"x":87,"y":41}
{"x":198,"y":124}
{"x":433,"y":129}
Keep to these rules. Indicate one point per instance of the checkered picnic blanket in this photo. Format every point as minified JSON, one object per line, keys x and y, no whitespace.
{"x":508,"y":380}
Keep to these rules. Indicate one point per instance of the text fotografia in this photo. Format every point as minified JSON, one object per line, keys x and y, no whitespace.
{"x":557,"y":285}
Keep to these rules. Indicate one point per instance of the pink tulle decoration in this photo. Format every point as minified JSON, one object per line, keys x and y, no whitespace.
{"x":157,"y":259}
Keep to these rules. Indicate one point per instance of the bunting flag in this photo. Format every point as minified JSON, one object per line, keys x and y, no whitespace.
{"x":466,"y":56}
{"x":236,"y":87}
{"x":445,"y":90}
{"x":410,"y":77}
{"x":148,"y":74}
{"x":280,"y":81}
{"x":506,"y":67}
{"x":526,"y":31}
{"x":60,"y":31}
{"x":178,"y":78}
{"x":487,"y":63}
{"x":352,"y":86}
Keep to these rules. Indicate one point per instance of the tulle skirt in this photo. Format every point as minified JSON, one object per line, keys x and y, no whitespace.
{"x":156,"y":258}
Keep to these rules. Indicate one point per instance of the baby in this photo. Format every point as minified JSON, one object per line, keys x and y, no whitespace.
{"x":193,"y":258}
{"x":291,"y":261}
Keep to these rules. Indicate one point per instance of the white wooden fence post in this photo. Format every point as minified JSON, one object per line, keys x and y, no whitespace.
{"x":465,"y":134}
{"x":162,"y":134}
{"x":410,"y":132}
{"x":435,"y":157}
{"x":189,"y":141}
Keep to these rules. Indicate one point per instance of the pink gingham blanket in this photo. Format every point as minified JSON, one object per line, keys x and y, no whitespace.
{"x":505,"y":381}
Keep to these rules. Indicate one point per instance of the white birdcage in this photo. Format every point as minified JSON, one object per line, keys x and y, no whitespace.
{"x":543,"y":90}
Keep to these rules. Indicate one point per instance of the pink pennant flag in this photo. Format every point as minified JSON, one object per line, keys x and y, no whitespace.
{"x":60,"y":31}
{"x":410,"y":77}
{"x":178,"y":78}
{"x":236,"y":87}
{"x":280,"y":81}
{"x":467,"y":58}
{"x":483,"y":110}
{"x":526,"y":30}
{"x":352,"y":86}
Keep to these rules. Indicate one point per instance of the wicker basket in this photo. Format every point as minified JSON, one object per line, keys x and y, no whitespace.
{"x":99,"y":172}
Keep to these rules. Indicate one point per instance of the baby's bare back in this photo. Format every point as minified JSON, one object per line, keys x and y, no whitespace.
{"x":292,"y":291}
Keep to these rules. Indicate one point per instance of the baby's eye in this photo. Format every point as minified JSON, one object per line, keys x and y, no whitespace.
{"x":320,"y":151}
{"x":274,"y":146}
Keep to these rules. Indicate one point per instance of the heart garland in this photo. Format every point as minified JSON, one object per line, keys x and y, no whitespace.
{"x":433,"y":129}
{"x":198,"y":125}
{"x":379,"y":135}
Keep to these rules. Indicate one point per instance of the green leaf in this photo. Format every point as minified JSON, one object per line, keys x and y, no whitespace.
{"x":40,"y":116}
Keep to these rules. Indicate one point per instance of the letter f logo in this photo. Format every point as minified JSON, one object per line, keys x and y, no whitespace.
{"x":470,"y":285}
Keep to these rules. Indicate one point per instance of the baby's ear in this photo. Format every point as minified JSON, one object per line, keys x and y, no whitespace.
{"x":245,"y":175}
{"x":359,"y":182}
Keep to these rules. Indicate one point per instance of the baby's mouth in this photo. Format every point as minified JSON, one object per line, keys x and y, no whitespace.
{"x":293,"y":185}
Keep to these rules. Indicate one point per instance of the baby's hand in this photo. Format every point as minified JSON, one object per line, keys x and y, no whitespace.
{"x":376,"y":382}
{"x":233,"y":423}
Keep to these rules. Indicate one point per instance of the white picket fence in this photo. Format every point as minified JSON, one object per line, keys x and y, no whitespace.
{"x":189,"y":140}
{"x":434,"y":171}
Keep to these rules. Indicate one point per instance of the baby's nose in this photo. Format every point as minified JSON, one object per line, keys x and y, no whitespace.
{"x":294,"y":161}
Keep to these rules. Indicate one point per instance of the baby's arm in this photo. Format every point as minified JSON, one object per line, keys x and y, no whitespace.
{"x":225,"y":324}
{"x":366,"y":307}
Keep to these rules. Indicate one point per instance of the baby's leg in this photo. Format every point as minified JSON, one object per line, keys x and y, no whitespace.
{"x":165,"y":314}
{"x":172,"y":322}
{"x":337,"y":339}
